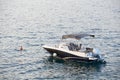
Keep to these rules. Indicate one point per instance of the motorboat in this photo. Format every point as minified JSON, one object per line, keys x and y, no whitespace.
{"x":76,"y":52}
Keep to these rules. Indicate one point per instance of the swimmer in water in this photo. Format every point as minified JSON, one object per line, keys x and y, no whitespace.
{"x":21,"y":48}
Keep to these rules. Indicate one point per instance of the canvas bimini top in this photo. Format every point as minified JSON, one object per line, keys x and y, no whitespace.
{"x":76,"y":36}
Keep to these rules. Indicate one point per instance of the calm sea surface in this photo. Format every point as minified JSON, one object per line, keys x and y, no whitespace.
{"x":32,"y":23}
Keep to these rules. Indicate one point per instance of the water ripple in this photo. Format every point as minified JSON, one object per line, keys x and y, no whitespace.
{"x":33,"y":23}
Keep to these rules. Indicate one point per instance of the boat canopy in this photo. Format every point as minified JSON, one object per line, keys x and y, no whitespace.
{"x":76,"y":36}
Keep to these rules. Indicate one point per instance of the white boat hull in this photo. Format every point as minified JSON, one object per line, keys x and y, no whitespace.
{"x":70,"y":55}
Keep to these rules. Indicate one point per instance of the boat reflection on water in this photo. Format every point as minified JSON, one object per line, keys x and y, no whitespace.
{"x":97,"y":67}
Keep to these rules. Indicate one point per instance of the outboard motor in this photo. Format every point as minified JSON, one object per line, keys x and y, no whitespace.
{"x":97,"y":53}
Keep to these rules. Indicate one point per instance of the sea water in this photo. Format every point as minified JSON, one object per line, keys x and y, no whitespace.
{"x":33,"y":23}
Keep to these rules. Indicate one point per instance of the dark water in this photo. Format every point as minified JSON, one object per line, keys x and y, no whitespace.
{"x":32,"y":23}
